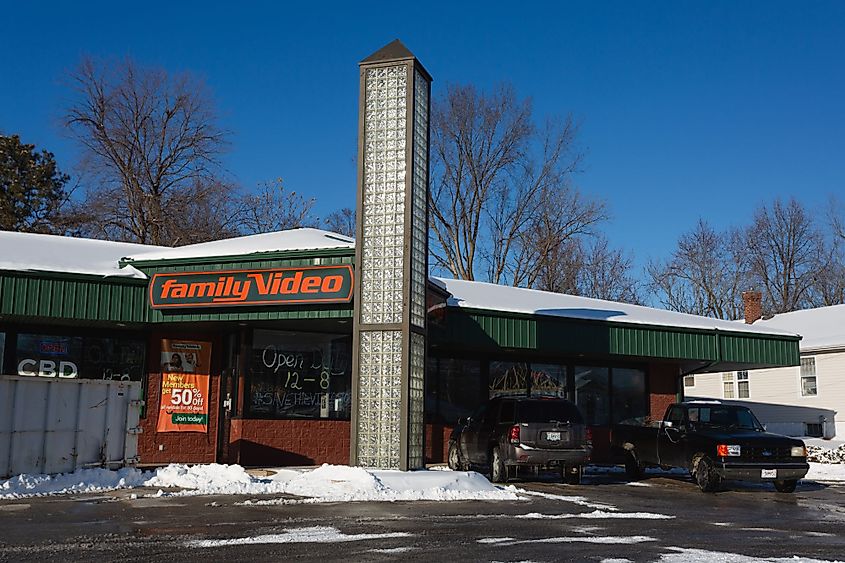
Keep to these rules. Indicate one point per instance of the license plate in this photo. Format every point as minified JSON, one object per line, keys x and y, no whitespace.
{"x":553,"y":436}
{"x":769,"y":474}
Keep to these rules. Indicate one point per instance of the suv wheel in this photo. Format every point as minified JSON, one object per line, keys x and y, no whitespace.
{"x":634,"y":470}
{"x":786,"y":486}
{"x":705,"y":475}
{"x":454,"y":459}
{"x":572,"y":474}
{"x":498,"y":470}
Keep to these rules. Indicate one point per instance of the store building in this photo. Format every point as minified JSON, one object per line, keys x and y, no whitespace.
{"x":301,"y":347}
{"x":276,"y":353}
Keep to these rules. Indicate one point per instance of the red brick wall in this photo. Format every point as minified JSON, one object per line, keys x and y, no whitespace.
{"x":663,"y":386}
{"x":179,"y":447}
{"x":437,"y":442}
{"x":289,"y":442}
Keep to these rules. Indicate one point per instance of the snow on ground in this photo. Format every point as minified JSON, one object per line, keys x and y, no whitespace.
{"x":596,"y":514}
{"x":686,"y":555}
{"x":313,"y":534}
{"x":328,"y":483}
{"x":570,"y":539}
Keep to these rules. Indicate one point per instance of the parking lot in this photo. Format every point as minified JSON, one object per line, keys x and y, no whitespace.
{"x":664,"y":518}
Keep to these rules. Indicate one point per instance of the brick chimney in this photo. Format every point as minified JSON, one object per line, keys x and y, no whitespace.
{"x":753,"y":301}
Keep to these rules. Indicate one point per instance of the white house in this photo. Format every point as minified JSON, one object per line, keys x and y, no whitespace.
{"x":808,"y":400}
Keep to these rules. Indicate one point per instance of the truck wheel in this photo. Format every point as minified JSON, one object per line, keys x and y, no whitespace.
{"x":634,"y":470}
{"x":572,"y":475}
{"x":454,"y":459}
{"x":498,"y":470}
{"x":705,"y":475}
{"x":786,"y":486}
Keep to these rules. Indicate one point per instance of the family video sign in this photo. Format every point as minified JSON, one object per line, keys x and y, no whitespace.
{"x":225,"y":288}
{"x":184,"y":386}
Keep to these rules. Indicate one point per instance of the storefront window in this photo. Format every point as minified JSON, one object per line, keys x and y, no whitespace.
{"x":592,"y":394}
{"x":80,"y":357}
{"x":548,"y":380}
{"x":629,"y":396}
{"x":113,"y":359}
{"x":48,"y":356}
{"x":508,"y":378}
{"x":458,"y":389}
{"x":300,"y":375}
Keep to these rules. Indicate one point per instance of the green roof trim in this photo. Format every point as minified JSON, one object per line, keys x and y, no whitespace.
{"x":73,"y":297}
{"x":490,"y":331}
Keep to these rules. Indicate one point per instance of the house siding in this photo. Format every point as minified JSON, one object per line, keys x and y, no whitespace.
{"x":775,"y":395}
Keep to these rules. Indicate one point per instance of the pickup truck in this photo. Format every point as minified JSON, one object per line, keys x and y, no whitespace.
{"x":714,"y":442}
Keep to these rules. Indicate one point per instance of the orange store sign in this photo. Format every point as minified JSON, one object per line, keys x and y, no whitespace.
{"x":226,"y":288}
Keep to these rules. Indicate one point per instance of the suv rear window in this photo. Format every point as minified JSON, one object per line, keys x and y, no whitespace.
{"x":546,"y":411}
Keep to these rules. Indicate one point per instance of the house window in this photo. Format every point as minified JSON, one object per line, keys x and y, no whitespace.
{"x":808,"y":377}
{"x":689,"y":381}
{"x":728,"y":385}
{"x":743,"y":391}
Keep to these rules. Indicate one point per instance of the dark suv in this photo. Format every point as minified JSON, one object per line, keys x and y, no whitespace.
{"x":512,"y":432}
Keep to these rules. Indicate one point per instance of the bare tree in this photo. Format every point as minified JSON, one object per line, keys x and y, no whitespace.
{"x":607,"y":273}
{"x":705,"y":275}
{"x":787,"y":252}
{"x":152,"y":144}
{"x":274,"y":208}
{"x":491,"y":170}
{"x":591,"y":268}
{"x":553,"y":237}
{"x":342,"y":221}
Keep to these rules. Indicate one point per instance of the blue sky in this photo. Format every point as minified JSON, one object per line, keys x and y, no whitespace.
{"x":687,"y":109}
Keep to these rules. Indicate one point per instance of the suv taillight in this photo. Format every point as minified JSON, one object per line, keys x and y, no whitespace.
{"x":588,"y":441}
{"x":513,"y":435}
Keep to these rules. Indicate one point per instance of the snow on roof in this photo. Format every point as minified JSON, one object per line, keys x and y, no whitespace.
{"x":479,"y":295}
{"x":822,"y":328}
{"x":31,"y":252}
{"x":294,"y":239}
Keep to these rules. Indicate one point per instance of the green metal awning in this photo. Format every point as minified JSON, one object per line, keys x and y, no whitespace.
{"x":699,"y":350}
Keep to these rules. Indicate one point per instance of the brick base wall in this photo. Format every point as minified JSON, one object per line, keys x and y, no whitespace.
{"x":289,"y":442}
{"x":437,"y":442}
{"x":663,"y":386}
{"x":177,"y":447}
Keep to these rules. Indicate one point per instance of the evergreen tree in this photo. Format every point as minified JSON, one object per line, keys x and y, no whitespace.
{"x":32,"y":189}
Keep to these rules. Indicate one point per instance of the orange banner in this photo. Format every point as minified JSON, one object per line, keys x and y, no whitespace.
{"x":184,"y":386}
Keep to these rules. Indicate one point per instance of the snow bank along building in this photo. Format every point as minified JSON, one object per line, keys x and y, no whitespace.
{"x":802,"y":400}
{"x":268,"y":319}
{"x":303,"y":346}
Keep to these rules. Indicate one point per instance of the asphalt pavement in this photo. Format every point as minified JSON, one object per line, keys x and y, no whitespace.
{"x":663,"y":518}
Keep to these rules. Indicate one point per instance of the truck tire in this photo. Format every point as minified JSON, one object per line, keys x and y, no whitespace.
{"x":634,"y":470}
{"x":786,"y":485}
{"x":498,"y":469}
{"x":454,"y":459}
{"x":705,"y":474}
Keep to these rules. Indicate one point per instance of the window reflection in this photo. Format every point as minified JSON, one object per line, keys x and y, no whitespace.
{"x":592,"y":394}
{"x":508,"y":378}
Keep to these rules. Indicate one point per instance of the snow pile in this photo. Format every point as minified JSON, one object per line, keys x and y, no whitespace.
{"x":313,"y":534}
{"x":328,"y":483}
{"x":821,"y":454}
{"x":82,"y":481}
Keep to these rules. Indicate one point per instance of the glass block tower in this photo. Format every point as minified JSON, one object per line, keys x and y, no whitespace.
{"x":391,"y":261}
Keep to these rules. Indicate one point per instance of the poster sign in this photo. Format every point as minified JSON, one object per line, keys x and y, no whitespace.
{"x":184,"y":386}
{"x":227,"y":288}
